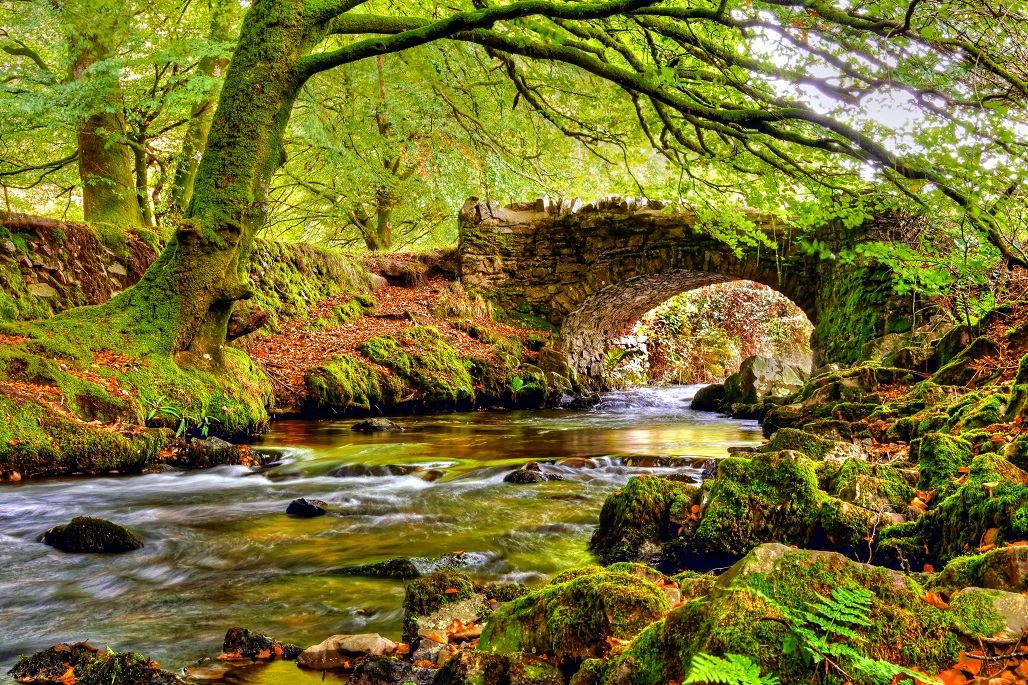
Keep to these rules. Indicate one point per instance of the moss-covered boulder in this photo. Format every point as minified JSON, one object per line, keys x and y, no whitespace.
{"x":480,"y":668}
{"x":998,"y":569}
{"x":939,"y":458}
{"x":989,"y":509}
{"x":241,"y":643}
{"x":774,"y":497}
{"x":572,"y":617}
{"x":751,"y":607}
{"x":400,"y":567}
{"x":428,"y":594}
{"x":429,"y":366}
{"x":760,"y":377}
{"x":87,"y":534}
{"x":1018,"y":403}
{"x":639,"y":519}
{"x":83,"y":664}
{"x":876,"y":487}
{"x":347,"y":385}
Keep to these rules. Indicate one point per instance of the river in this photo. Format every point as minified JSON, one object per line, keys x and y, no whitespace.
{"x":220,"y":551}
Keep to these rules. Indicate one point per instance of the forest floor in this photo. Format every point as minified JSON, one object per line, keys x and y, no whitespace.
{"x":300,"y":344}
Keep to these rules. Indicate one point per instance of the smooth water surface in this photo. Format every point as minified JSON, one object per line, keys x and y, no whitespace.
{"x":221,"y":552}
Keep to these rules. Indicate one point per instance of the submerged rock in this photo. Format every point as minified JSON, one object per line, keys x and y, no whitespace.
{"x":306,"y":508}
{"x":376,"y":425}
{"x":243,"y":643}
{"x":340,"y":652}
{"x":400,"y":567}
{"x":92,"y":535}
{"x":530,"y":473}
{"x":53,"y":663}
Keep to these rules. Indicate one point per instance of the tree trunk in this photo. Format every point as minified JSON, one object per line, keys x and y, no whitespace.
{"x":188,"y":294}
{"x":105,"y":163}
{"x":142,"y":184}
{"x":202,"y":112}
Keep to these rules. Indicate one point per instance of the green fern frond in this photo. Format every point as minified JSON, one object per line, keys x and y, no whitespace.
{"x":731,"y":669}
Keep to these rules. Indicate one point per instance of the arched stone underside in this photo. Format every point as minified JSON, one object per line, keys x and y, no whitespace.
{"x":593,"y":269}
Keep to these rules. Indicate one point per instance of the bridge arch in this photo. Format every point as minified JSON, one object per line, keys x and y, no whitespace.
{"x":592,"y":269}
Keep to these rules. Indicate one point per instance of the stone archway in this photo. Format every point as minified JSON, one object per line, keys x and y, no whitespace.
{"x":590,"y":269}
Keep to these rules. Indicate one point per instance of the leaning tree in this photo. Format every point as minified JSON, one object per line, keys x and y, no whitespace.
{"x":726,"y":89}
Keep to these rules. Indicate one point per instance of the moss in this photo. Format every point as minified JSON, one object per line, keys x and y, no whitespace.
{"x":428,"y":594}
{"x":1019,"y":392}
{"x":994,"y":496}
{"x":809,"y":444}
{"x":87,"y":534}
{"x":873,"y":487}
{"x":90,"y":666}
{"x":640,"y":516}
{"x":734,"y":618}
{"x":126,"y":668}
{"x":939,"y":459}
{"x":572,"y":619}
{"x":775,"y":497}
{"x":426,"y":362}
{"x":348,"y":385}
{"x":1003,"y":569}
{"x":977,"y":411}
{"x":505,"y":592}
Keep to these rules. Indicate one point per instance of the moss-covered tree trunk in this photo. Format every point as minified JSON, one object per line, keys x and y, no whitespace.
{"x":202,"y":114}
{"x":189,"y":292}
{"x":105,"y":161}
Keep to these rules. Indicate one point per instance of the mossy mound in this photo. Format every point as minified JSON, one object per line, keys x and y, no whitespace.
{"x":429,"y":593}
{"x":813,"y":446}
{"x":347,"y":385}
{"x":242,"y":643}
{"x":939,"y":458}
{"x":989,"y":508}
{"x":571,"y":618}
{"x":775,"y":497}
{"x":426,"y":363}
{"x":89,"y":666}
{"x":505,"y":592}
{"x":876,"y":487}
{"x":91,"y":535}
{"x":637,"y":520}
{"x":742,"y":615}
{"x":401,"y":567}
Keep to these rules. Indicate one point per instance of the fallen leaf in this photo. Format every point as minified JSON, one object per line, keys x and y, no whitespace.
{"x":424,"y":663}
{"x":928,"y":568}
{"x":450,"y":591}
{"x":935,"y":600}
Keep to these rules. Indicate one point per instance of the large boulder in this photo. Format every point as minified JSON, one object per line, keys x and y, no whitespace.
{"x":760,"y":377}
{"x":752,"y":608}
{"x":573,"y":616}
{"x":637,"y":521}
{"x":709,"y":398}
{"x":87,"y":534}
{"x":998,"y":569}
{"x":340,"y":652}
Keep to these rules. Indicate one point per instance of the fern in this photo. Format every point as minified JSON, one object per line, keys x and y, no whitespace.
{"x":732,"y":669}
{"x":828,"y":632}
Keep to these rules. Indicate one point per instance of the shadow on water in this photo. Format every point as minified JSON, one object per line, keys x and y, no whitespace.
{"x":221,"y":552}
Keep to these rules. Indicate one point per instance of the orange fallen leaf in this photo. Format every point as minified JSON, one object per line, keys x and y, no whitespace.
{"x":450,"y":591}
{"x":695,"y":509}
{"x":69,"y":676}
{"x":435,"y":638}
{"x":1017,"y":543}
{"x":935,"y":600}
{"x":986,"y":548}
{"x":403,"y":648}
{"x":928,"y":568}
{"x":951,"y":676}
{"x":265,"y":654}
{"x":424,"y":663}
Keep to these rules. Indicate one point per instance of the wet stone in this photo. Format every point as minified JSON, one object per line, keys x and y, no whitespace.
{"x":376,"y":425}
{"x":306,"y":508}
{"x":87,"y":534}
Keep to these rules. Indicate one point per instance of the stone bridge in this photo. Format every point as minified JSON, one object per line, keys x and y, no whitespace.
{"x":593,"y":270}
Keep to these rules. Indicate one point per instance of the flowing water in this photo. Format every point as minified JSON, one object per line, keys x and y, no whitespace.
{"x":220,"y":551}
